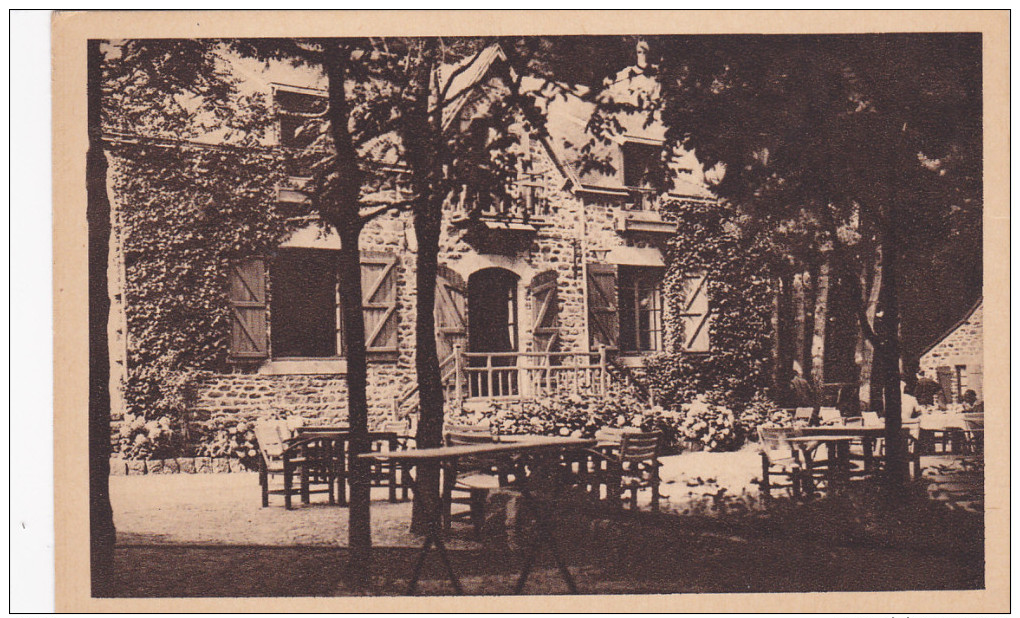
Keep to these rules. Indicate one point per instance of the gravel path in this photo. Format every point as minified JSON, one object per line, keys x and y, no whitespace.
{"x":225,"y":509}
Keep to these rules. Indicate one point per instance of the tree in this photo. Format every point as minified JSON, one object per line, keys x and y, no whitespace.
{"x":154,"y":71}
{"x":102,"y":533}
{"x":432,"y":79}
{"x":879,"y":135}
{"x":183,"y":89}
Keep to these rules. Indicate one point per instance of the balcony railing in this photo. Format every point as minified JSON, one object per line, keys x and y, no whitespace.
{"x":528,"y":201}
{"x":528,"y":375}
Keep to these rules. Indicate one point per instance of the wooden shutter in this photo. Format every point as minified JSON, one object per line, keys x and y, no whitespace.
{"x":544,"y":309}
{"x":450,"y":312}
{"x":695,"y":316}
{"x":379,"y":301}
{"x":603,"y":314}
{"x":247,"y":294}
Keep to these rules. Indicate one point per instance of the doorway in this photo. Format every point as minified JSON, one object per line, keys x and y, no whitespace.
{"x":493,"y":337}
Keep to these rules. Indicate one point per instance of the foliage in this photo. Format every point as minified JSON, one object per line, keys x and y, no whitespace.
{"x":226,"y":436}
{"x":761,"y":411}
{"x":740,"y":299}
{"x":576,"y":414}
{"x":182,"y":226}
{"x":139,"y":438}
{"x":707,"y":421}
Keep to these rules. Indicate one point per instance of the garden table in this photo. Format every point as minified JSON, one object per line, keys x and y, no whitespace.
{"x":867,"y":435}
{"x":540,"y":450}
{"x":838,"y":450}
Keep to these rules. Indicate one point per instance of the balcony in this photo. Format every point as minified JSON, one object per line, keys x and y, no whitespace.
{"x":640,"y":214}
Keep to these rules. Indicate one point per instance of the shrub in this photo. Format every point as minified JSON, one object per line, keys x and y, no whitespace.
{"x":579,"y":415}
{"x":762,"y":412}
{"x":227,"y":436}
{"x":152,"y":439}
{"x":710,"y":422}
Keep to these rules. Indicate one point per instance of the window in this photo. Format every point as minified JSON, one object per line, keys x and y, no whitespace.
{"x":304,"y":312}
{"x":641,"y":163}
{"x":304,"y":318}
{"x":300,"y":113}
{"x":640,"y":309}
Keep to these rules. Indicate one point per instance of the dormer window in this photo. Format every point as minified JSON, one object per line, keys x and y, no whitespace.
{"x":300,"y":112}
{"x":641,"y":163}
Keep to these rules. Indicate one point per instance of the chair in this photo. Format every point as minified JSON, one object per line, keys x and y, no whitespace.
{"x":398,"y":475}
{"x":779,"y":459}
{"x":803,"y":414}
{"x":474,"y":476}
{"x":315,"y":458}
{"x":974,"y":432}
{"x":632,"y":467}
{"x":830,"y":416}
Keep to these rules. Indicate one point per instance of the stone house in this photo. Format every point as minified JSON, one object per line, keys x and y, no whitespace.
{"x":532,"y":296}
{"x":956,"y":358}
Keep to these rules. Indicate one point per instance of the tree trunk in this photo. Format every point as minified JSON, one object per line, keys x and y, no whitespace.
{"x":870,"y":387}
{"x":340,"y":210}
{"x":887,"y":356}
{"x":783,"y":337}
{"x":102,"y":533}
{"x":424,"y":144}
{"x":427,"y":227}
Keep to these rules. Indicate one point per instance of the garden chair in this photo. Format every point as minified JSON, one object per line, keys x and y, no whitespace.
{"x":316,"y":459}
{"x":471,"y":482}
{"x":632,"y":467}
{"x":803,"y":415}
{"x":830,"y":416}
{"x":974,"y":432}
{"x":779,"y":460}
{"x":388,"y":473}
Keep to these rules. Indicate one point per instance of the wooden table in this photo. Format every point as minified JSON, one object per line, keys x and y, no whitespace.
{"x":539,"y":449}
{"x":838,"y":450}
{"x":867,"y":435}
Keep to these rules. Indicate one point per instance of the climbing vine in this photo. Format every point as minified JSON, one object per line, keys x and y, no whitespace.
{"x":186,"y":212}
{"x":740,"y":292}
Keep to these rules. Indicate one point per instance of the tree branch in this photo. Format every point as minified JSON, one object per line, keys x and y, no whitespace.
{"x":378,"y":207}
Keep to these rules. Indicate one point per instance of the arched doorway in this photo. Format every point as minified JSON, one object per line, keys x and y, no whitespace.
{"x":492,"y":333}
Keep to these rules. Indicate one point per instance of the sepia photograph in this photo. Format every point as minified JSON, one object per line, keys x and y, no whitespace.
{"x":377,"y":309}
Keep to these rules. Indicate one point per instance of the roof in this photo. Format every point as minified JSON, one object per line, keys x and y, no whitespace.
{"x":949,"y":331}
{"x":567,"y":122}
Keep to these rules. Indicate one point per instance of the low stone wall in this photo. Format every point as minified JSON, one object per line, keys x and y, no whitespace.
{"x":181,"y":465}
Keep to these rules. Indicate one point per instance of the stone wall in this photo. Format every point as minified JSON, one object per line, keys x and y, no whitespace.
{"x":963,"y":347}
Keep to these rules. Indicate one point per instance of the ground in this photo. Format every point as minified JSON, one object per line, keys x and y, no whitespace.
{"x":207,"y":535}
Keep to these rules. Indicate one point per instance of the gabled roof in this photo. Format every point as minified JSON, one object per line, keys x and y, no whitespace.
{"x":952,"y":329}
{"x":567,"y":121}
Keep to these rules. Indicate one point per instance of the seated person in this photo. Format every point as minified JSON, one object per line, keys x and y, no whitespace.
{"x":970,"y":402}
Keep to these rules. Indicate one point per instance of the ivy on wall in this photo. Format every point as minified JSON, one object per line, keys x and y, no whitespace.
{"x":186,"y":212}
{"x":740,"y":292}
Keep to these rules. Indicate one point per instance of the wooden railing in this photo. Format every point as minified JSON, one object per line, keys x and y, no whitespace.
{"x":513,"y":375}
{"x":528,"y":200}
{"x":406,"y":402}
{"x":529,"y":375}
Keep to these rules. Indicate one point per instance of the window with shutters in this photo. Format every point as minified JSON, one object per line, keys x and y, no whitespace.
{"x":306,"y":319}
{"x":640,"y":305}
{"x":305,"y":309}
